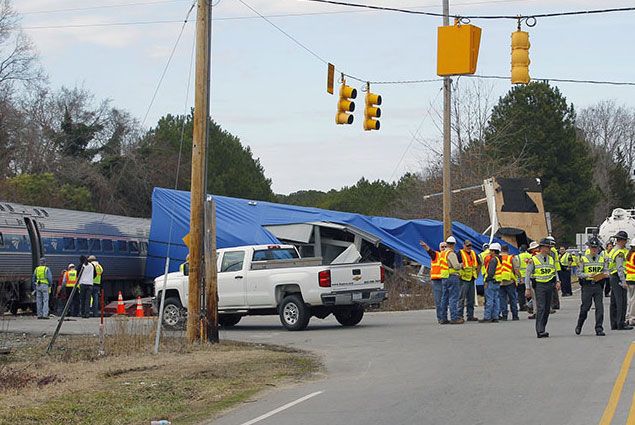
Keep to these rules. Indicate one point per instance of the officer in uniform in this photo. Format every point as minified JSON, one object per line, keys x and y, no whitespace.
{"x":542,"y":268}
{"x":617,"y":261}
{"x":591,"y":265}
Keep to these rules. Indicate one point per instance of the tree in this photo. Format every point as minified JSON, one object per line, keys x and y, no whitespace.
{"x":534,"y":121}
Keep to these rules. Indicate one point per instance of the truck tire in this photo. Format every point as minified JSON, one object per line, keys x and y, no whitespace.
{"x":228,"y":320}
{"x":349,"y":316}
{"x":294,"y":313}
{"x":173,"y":313}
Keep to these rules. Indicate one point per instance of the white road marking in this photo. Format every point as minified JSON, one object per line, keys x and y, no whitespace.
{"x":282,"y":408}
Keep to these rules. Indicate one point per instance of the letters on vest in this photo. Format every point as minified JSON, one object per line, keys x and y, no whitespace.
{"x":544,"y":271}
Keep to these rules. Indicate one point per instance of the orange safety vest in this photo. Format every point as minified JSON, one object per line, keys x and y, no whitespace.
{"x":507,"y":267}
{"x":435,"y":266}
{"x":71,"y":278}
{"x":630,"y":267}
{"x":469,"y":269}
{"x":443,"y":266}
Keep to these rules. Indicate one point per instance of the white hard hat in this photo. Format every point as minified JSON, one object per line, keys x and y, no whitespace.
{"x":450,"y":239}
{"x":533,"y":245}
{"x":495,"y":247}
{"x":71,"y":265}
{"x":633,"y":243}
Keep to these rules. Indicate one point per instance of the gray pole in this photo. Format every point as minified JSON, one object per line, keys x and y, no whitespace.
{"x":447,"y":147}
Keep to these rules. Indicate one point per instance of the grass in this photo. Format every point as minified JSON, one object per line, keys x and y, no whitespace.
{"x":184,"y":384}
{"x":407,"y":293}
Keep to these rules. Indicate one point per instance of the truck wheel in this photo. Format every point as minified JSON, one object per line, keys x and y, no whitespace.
{"x":172,"y":313}
{"x":294,"y":313}
{"x":350,"y":316}
{"x":229,"y":320}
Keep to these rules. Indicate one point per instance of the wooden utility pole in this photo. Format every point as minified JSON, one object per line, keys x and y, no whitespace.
{"x":447,"y":140}
{"x":211,"y":276}
{"x":199,"y":157}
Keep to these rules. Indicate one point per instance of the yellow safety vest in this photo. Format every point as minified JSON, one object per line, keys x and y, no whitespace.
{"x":435,"y":267}
{"x":611,"y":265}
{"x":524,"y":259}
{"x":99,"y":270}
{"x":470,"y":265}
{"x":556,"y":257}
{"x":483,"y":256}
{"x":40,"y":275}
{"x":616,"y":252}
{"x":630,"y":267}
{"x":544,"y":272}
{"x":591,"y":267}
{"x":71,"y":278}
{"x":445,"y":269}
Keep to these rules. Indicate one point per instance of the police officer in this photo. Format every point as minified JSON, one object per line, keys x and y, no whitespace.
{"x":542,"y":269}
{"x":617,"y":260}
{"x":591,"y":265}
{"x":41,"y":282}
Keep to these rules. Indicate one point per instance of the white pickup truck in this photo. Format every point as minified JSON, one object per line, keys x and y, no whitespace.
{"x":273,"y":279}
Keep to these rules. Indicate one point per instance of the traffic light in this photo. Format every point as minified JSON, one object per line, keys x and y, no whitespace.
{"x":371,"y":111}
{"x":520,"y":57}
{"x":457,"y":49}
{"x":345,"y":104}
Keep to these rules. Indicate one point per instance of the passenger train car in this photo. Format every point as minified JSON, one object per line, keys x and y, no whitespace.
{"x":28,"y":233}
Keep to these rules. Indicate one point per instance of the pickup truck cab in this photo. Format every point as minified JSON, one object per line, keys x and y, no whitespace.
{"x":274,"y":280}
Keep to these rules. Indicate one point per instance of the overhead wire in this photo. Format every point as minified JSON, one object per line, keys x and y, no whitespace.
{"x":103,"y":6}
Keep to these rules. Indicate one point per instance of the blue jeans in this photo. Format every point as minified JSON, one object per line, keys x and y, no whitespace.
{"x":96,"y":299}
{"x":492,"y":300}
{"x":437,"y":291}
{"x":42,"y":300}
{"x":450,"y":297}
{"x":508,"y":295}
{"x":467,"y":298}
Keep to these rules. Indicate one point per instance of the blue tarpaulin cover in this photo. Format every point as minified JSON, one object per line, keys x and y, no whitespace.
{"x":240,"y":222}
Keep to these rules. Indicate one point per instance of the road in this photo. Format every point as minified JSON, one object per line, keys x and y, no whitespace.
{"x":404,"y":368}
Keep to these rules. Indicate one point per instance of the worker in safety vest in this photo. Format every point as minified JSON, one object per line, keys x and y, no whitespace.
{"x":451,"y":294}
{"x":491,"y":278}
{"x":530,"y":291}
{"x":68,"y":282}
{"x":617,"y":273}
{"x":523,"y":258}
{"x":97,"y":287}
{"x":566,"y":263}
{"x":437,"y":258}
{"x":484,"y":253}
{"x":41,"y":282}
{"x":592,"y":265}
{"x":607,"y":255}
{"x":542,"y":269}
{"x":630,"y":283}
{"x":507,"y":280}
{"x":468,"y":274}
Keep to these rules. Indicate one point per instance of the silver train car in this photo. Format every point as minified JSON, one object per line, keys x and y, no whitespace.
{"x":28,"y":233}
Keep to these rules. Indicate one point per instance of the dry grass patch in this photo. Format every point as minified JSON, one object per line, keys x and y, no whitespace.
{"x":405,"y":292}
{"x":73,"y":385}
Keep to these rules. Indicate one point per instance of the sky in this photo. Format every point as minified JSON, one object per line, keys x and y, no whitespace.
{"x":271,"y":93}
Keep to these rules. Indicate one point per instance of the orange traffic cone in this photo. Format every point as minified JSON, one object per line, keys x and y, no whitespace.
{"x":139,"y":311}
{"x":121,"y":309}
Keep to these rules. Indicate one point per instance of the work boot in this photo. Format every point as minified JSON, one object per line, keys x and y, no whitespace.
{"x":459,"y":321}
{"x":503,"y":318}
{"x":578,"y":330}
{"x":485,"y":321}
{"x":472,"y":319}
{"x":600,"y":333}
{"x":515,"y":318}
{"x":531,"y":316}
{"x":444,"y":322}
{"x":495,"y":320}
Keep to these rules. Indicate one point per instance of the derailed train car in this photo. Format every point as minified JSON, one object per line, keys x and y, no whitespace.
{"x":28,"y":233}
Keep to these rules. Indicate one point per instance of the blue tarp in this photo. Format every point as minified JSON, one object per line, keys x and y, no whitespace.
{"x":240,"y":222}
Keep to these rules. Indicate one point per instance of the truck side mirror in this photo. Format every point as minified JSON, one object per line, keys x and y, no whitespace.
{"x":186,"y":269}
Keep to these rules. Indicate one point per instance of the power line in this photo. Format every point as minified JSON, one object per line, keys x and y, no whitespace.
{"x":103,"y":24}
{"x":557,"y":80}
{"x":103,"y":6}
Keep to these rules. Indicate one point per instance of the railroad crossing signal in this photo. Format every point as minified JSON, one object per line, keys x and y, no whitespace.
{"x":345,"y":104}
{"x":520,"y":57}
{"x":371,"y":110}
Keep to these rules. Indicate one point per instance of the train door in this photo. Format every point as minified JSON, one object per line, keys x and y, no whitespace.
{"x":37,"y":251}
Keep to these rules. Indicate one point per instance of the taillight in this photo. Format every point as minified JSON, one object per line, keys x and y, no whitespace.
{"x":324,"y":278}
{"x":382,"y":273}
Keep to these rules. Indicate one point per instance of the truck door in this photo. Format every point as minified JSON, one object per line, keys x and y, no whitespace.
{"x":36,"y":242}
{"x":231,"y":280}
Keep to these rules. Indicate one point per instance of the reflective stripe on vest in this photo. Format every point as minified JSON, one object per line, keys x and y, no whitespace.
{"x":71,"y":278}
{"x":470,"y":264}
{"x":507,"y":272}
{"x":443,"y":266}
{"x":435,"y":266}
{"x":483,"y":256}
{"x":40,"y":275}
{"x":524,"y":259}
{"x":616,"y":252}
{"x":500,"y":270}
{"x":544,"y":272}
{"x":99,"y":270}
{"x":630,"y":267}
{"x":611,"y":264}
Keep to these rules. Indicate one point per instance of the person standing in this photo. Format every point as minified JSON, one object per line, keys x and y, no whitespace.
{"x":68,"y":283}
{"x":86,"y":276}
{"x":492,"y":298}
{"x":566,"y":263}
{"x":436,"y":259}
{"x":468,"y":274}
{"x":591,"y":265}
{"x":630,"y":283}
{"x":97,"y":288}
{"x":607,"y":255}
{"x":542,"y":269}
{"x":451,"y":284}
{"x":530,"y":291}
{"x":555,"y":299}
{"x":618,"y":282}
{"x":41,"y":282}
{"x":507,"y":281}
{"x":523,"y":258}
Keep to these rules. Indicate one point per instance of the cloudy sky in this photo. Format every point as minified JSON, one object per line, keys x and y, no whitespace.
{"x":271,"y":93}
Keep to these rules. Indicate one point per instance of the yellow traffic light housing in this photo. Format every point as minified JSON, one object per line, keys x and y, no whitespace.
{"x":345,"y":104}
{"x":371,"y":110}
{"x":520,"y":57}
{"x":457,"y":49}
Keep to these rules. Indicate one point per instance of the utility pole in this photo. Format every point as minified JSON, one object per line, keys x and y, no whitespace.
{"x":199,"y":157}
{"x":447,"y":139}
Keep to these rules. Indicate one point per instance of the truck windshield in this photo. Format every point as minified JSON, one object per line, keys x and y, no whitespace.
{"x":275,"y":254}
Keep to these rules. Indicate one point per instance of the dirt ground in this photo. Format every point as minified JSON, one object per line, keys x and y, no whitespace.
{"x":74,"y":385}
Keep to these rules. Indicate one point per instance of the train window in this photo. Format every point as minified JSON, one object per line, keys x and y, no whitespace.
{"x":106,"y":245}
{"x":10,"y":208}
{"x":1,"y":240}
{"x":144,"y":248}
{"x":82,"y":244}
{"x":94,"y":245}
{"x":134,"y":246}
{"x":69,"y":244}
{"x":122,"y":246}
{"x":37,"y":211}
{"x":1,"y":208}
{"x":45,"y":213}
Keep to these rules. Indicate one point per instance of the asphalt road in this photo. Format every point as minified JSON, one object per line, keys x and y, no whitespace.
{"x":404,"y":368}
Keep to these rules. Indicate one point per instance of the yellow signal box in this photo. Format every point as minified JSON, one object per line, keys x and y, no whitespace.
{"x":520,"y":57}
{"x":345,"y":104}
{"x":457,"y":49}
{"x":371,"y":111}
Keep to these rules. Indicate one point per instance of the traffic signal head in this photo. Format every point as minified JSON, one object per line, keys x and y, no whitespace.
{"x":520,"y":57}
{"x":372,"y":112}
{"x":345,"y":105}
